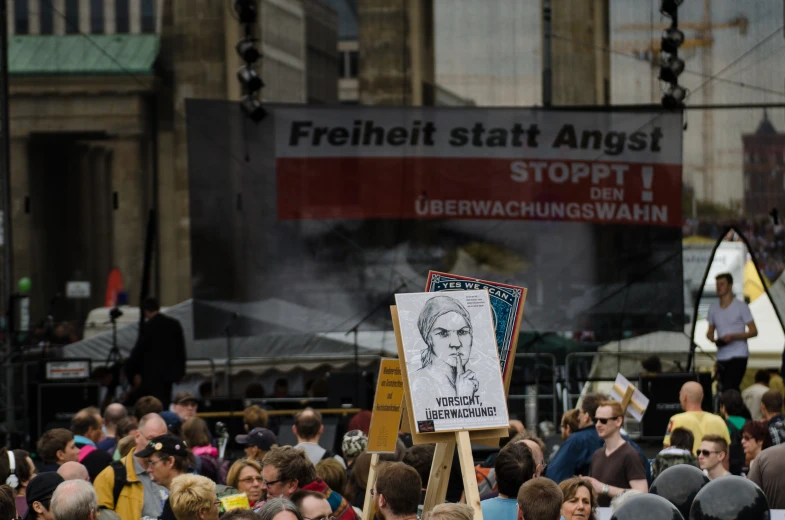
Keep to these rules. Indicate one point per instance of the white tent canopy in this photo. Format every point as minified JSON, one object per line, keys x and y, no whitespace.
{"x":280,"y":351}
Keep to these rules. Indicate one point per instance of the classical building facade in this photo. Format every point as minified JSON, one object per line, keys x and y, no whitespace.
{"x":98,"y":128}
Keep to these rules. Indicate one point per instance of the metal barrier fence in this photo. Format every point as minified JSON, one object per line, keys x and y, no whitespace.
{"x":568,"y":398}
{"x":532,"y":400}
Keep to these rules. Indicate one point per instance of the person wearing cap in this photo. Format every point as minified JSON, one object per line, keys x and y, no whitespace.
{"x":158,"y":359}
{"x":167,"y":458}
{"x":185,"y":405}
{"x":354,"y":443}
{"x":39,"y":495}
{"x":173,"y":422}
{"x":257,"y":443}
{"x":139,"y":496}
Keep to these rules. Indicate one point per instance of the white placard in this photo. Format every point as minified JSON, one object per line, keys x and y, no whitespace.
{"x":77,"y":290}
{"x":60,"y":370}
{"x":638,"y":403}
{"x":452,"y":361}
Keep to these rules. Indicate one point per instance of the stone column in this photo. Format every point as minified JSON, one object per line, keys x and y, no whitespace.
{"x":20,"y":218}
{"x":581,"y":69}
{"x":189,"y":54}
{"x":135,"y":16}
{"x":84,"y":17}
{"x":58,"y":22}
{"x":110,"y":17}
{"x":128,"y":217}
{"x":396,"y":52}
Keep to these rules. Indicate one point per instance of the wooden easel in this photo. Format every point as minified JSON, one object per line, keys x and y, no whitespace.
{"x":446,"y":443}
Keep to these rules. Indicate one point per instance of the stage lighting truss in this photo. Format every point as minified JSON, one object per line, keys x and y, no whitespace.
{"x":250,"y":80}
{"x":672,"y":39}
{"x":674,"y":97}
{"x":246,"y":11}
{"x":670,"y":69}
{"x":253,"y":108}
{"x":670,"y":7}
{"x":248,"y":51}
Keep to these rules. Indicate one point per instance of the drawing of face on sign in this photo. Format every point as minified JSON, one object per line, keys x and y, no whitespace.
{"x":446,"y":327}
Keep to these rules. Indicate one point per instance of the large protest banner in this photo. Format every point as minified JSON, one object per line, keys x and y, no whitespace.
{"x":321,"y":213}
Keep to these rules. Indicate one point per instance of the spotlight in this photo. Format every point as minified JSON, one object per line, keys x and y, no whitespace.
{"x":253,"y":109}
{"x":249,"y":79}
{"x":671,"y":68}
{"x":248,"y":51}
{"x":672,"y":40}
{"x":246,"y":11}
{"x":674,"y":97}
{"x":669,"y":7}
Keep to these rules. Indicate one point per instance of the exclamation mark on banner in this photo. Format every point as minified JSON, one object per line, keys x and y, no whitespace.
{"x":647,"y":173}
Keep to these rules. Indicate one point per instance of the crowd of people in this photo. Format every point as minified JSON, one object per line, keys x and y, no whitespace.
{"x":154,"y":463}
{"x":765,"y":237}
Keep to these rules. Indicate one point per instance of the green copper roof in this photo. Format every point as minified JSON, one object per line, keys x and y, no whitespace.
{"x":95,"y":54}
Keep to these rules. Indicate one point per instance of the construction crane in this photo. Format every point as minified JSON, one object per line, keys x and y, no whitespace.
{"x":649,"y":50}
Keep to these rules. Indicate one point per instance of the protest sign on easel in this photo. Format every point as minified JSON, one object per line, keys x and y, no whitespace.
{"x":454,"y":389}
{"x":632,"y":400}
{"x":385,"y":421}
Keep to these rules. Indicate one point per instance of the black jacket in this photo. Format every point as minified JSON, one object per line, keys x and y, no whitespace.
{"x":159,"y":356}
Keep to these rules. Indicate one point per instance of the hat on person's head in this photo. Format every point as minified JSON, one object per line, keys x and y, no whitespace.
{"x":84,"y":451}
{"x":185,"y":397}
{"x":96,"y":462}
{"x":354,"y":443}
{"x":172,"y":420}
{"x":40,"y":489}
{"x":168,"y":444}
{"x":262,"y":438}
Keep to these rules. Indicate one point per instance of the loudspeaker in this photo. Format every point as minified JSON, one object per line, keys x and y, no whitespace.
{"x":57,"y":403}
{"x":663,"y":393}
{"x":343,"y":390}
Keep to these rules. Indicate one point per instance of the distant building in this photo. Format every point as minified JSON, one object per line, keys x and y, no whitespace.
{"x":764,"y":169}
{"x":98,"y":128}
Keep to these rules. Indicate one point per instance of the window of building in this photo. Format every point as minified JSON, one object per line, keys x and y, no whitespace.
{"x":21,"y":17}
{"x":148,"y":16}
{"x":353,"y":64}
{"x":97,"y":16}
{"x":47,"y":16}
{"x":72,"y":16}
{"x":123,"y":16}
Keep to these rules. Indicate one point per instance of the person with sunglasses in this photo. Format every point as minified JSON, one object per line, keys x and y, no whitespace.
{"x":167,"y":458}
{"x":616,"y":467}
{"x":711,"y":455}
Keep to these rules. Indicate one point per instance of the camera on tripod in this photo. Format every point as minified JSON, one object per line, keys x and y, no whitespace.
{"x":115,"y":313}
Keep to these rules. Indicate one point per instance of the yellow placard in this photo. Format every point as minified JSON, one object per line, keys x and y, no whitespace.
{"x":235,"y":502}
{"x":386,"y":415}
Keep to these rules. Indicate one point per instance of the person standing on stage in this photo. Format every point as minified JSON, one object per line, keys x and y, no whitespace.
{"x":732,"y":321}
{"x":158,"y":359}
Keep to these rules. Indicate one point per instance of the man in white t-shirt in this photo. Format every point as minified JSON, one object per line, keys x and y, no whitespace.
{"x":732,"y":321}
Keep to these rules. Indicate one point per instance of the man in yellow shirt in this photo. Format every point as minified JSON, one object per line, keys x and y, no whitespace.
{"x":694,"y":419}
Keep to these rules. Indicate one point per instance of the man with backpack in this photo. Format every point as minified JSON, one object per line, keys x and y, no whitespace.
{"x":125,"y":486}
{"x":308,"y":429}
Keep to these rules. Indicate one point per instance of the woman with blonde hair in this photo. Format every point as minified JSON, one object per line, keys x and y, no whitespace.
{"x":580,"y":502}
